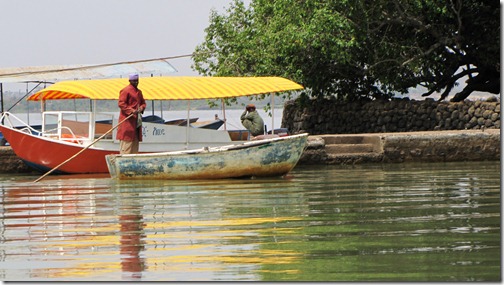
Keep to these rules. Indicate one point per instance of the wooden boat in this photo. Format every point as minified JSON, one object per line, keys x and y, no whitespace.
{"x":66,"y":133}
{"x":260,"y":158}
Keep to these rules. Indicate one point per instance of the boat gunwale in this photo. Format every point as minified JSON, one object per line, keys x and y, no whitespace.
{"x":210,"y":149}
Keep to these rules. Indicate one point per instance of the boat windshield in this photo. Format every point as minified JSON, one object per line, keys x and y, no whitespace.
{"x":76,"y":126}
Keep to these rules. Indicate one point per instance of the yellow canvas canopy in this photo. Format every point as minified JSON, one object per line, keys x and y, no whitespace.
{"x":167,"y":88}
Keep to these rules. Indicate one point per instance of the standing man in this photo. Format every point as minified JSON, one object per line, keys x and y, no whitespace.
{"x":252,"y":121}
{"x":131,"y":101}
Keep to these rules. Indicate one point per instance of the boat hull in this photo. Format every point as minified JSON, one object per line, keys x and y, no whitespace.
{"x":264,"y":158}
{"x":44,"y":154}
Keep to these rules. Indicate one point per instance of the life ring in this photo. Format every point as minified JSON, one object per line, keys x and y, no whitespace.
{"x":66,"y":138}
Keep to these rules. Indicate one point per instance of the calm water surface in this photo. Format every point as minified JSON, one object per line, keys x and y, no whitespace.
{"x":394,"y":222}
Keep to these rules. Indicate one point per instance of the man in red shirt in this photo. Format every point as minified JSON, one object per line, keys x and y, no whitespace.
{"x":131,"y":101}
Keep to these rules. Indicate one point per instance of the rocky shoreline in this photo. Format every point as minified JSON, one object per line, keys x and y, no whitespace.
{"x":433,"y":146}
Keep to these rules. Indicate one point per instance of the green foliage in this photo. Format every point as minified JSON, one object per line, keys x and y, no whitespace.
{"x":360,"y":48}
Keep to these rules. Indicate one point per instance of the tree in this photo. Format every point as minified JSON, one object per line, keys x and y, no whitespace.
{"x":360,"y":48}
{"x":436,"y":43}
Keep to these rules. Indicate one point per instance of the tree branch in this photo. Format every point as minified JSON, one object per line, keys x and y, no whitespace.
{"x":450,"y":81}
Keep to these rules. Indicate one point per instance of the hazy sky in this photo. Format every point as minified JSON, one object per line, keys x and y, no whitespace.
{"x":61,"y":32}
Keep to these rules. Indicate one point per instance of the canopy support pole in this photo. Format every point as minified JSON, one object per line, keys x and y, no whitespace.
{"x":187,"y":125}
{"x":28,"y":114}
{"x":224,"y":113}
{"x":161,"y":108}
{"x":152,"y":75}
{"x":1,"y":101}
{"x":272,"y":96}
{"x":92,"y":127}
{"x":1,"y":96}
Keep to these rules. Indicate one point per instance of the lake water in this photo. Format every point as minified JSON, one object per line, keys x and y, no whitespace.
{"x":393,"y":222}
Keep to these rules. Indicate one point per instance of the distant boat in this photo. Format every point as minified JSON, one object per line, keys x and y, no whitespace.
{"x":212,"y":124}
{"x":153,"y":119}
{"x":180,"y":122}
{"x":268,"y":157}
{"x":175,"y":122}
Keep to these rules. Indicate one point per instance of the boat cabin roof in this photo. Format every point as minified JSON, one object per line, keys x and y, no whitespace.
{"x":167,"y":88}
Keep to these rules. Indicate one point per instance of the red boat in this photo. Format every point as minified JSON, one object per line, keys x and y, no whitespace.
{"x":43,"y":153}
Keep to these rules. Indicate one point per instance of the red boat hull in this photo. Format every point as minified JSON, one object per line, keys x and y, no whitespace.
{"x":44,"y":154}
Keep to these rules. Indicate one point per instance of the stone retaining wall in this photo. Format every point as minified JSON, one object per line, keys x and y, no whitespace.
{"x":436,"y":146}
{"x":450,"y":146}
{"x":10,"y":163}
{"x":399,"y":115}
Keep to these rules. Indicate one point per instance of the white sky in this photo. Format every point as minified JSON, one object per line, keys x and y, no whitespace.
{"x":63,"y":32}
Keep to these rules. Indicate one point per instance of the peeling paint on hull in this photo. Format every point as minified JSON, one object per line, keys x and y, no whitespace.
{"x":264,"y":158}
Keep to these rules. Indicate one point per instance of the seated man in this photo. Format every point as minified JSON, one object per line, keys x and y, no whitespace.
{"x":252,"y":121}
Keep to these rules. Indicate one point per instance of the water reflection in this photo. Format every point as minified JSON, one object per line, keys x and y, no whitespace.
{"x":132,"y":236}
{"x":418,"y":222}
{"x":206,"y":230}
